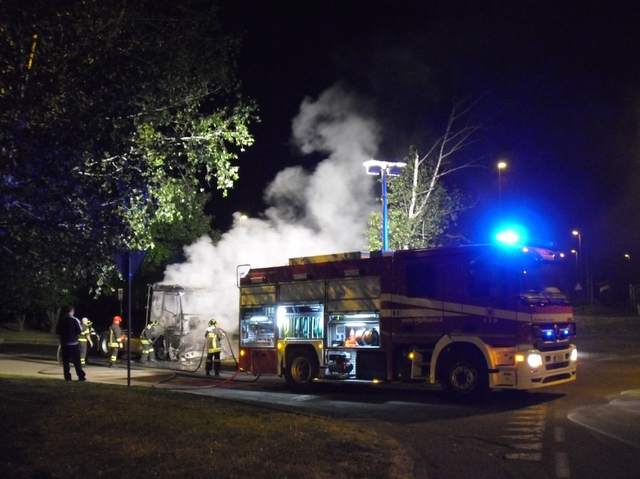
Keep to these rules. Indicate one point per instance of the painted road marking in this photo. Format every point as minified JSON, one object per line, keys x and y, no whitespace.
{"x":525,"y":456}
{"x":562,"y":465}
{"x":526,"y":426}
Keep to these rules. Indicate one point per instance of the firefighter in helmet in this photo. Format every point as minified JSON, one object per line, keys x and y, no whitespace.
{"x":214,"y":337}
{"x":83,"y":338}
{"x":115,"y":340}
{"x":147,"y":338}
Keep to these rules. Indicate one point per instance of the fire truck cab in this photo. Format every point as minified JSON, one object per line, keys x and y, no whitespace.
{"x":470,"y":318}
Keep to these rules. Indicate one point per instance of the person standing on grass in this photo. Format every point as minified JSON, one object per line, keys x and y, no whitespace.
{"x":69,"y":329}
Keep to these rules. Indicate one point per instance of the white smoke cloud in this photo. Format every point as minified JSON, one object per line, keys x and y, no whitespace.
{"x":310,"y":213}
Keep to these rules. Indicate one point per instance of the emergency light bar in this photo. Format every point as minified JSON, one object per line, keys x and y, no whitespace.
{"x":257,"y":277}
{"x":508,"y":237}
{"x":512,"y":235}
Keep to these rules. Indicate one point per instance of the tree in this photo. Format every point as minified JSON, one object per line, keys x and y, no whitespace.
{"x":112,"y":115}
{"x":421,"y":208}
{"x":170,"y":237}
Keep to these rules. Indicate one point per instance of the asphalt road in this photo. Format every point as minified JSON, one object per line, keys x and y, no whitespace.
{"x":586,"y":429}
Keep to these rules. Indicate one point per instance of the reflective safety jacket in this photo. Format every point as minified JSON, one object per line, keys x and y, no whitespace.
{"x":84,"y":333}
{"x":214,"y":337}
{"x":115,"y":336}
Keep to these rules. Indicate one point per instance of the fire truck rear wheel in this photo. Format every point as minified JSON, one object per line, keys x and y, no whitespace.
{"x":465,"y":378}
{"x":303,"y":368}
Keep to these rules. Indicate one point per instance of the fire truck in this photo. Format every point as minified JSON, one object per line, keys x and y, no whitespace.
{"x":467,"y":318}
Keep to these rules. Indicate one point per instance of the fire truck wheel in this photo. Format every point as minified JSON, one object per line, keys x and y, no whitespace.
{"x":465,"y":378}
{"x":302,"y":370}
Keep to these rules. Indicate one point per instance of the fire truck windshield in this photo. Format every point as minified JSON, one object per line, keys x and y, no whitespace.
{"x":539,"y":286}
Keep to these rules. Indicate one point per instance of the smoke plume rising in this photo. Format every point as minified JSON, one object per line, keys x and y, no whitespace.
{"x":320,"y":212}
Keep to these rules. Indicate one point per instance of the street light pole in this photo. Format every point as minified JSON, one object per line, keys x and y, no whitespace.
{"x":384,"y":169}
{"x":385,"y":212}
{"x":501,"y":166}
{"x":577,"y":233}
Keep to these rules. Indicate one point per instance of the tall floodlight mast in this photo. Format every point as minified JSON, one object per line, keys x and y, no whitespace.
{"x":384,"y":169}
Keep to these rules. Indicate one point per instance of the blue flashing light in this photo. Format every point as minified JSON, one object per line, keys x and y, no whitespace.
{"x":548,"y":334}
{"x":511,"y":235}
{"x":508,"y":237}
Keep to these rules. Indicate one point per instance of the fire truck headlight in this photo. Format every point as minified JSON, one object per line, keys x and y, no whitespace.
{"x":574,"y":355}
{"x":534,"y":360}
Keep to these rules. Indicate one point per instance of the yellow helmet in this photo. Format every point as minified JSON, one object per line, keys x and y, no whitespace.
{"x":213,"y":322}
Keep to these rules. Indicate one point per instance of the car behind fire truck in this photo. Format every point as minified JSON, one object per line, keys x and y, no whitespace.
{"x":470,"y":318}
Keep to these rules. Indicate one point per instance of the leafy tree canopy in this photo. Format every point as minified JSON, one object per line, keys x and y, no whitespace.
{"x":113,"y":115}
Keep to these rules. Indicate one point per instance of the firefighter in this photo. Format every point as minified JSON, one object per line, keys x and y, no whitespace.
{"x":214,"y":337}
{"x":115,"y":340}
{"x":83,"y":338}
{"x":147,"y":338}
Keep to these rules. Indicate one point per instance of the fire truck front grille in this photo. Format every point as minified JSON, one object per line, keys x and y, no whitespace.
{"x":551,"y":367}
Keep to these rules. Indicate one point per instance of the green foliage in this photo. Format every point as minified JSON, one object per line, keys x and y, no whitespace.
{"x":113,"y":116}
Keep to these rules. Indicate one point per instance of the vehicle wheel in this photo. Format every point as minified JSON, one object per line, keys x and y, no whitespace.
{"x":103,"y":345}
{"x":160,"y":353}
{"x":59,"y":354}
{"x":160,"y":348}
{"x":302,"y":369}
{"x":95,"y":347}
{"x":465,"y":378}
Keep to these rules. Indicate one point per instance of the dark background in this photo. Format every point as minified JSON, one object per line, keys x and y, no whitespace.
{"x":559,"y":91}
{"x":558,"y":83}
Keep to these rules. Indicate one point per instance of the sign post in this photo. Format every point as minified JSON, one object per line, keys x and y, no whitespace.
{"x":128,"y":263}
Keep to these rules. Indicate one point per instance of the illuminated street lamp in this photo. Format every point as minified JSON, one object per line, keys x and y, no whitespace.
{"x":588,"y":283}
{"x":384,"y":169}
{"x":576,"y":253}
{"x":577,"y":233}
{"x":501,"y":166}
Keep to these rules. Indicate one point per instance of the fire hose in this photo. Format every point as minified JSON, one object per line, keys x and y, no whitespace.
{"x":217,"y":384}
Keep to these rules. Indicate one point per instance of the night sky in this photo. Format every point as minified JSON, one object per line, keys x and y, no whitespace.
{"x":559,"y":85}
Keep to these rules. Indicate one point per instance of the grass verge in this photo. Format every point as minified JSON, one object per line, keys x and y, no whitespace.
{"x":57,"y":429}
{"x":9,"y":332}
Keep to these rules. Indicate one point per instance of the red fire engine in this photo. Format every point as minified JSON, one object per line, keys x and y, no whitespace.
{"x":471,"y":318}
